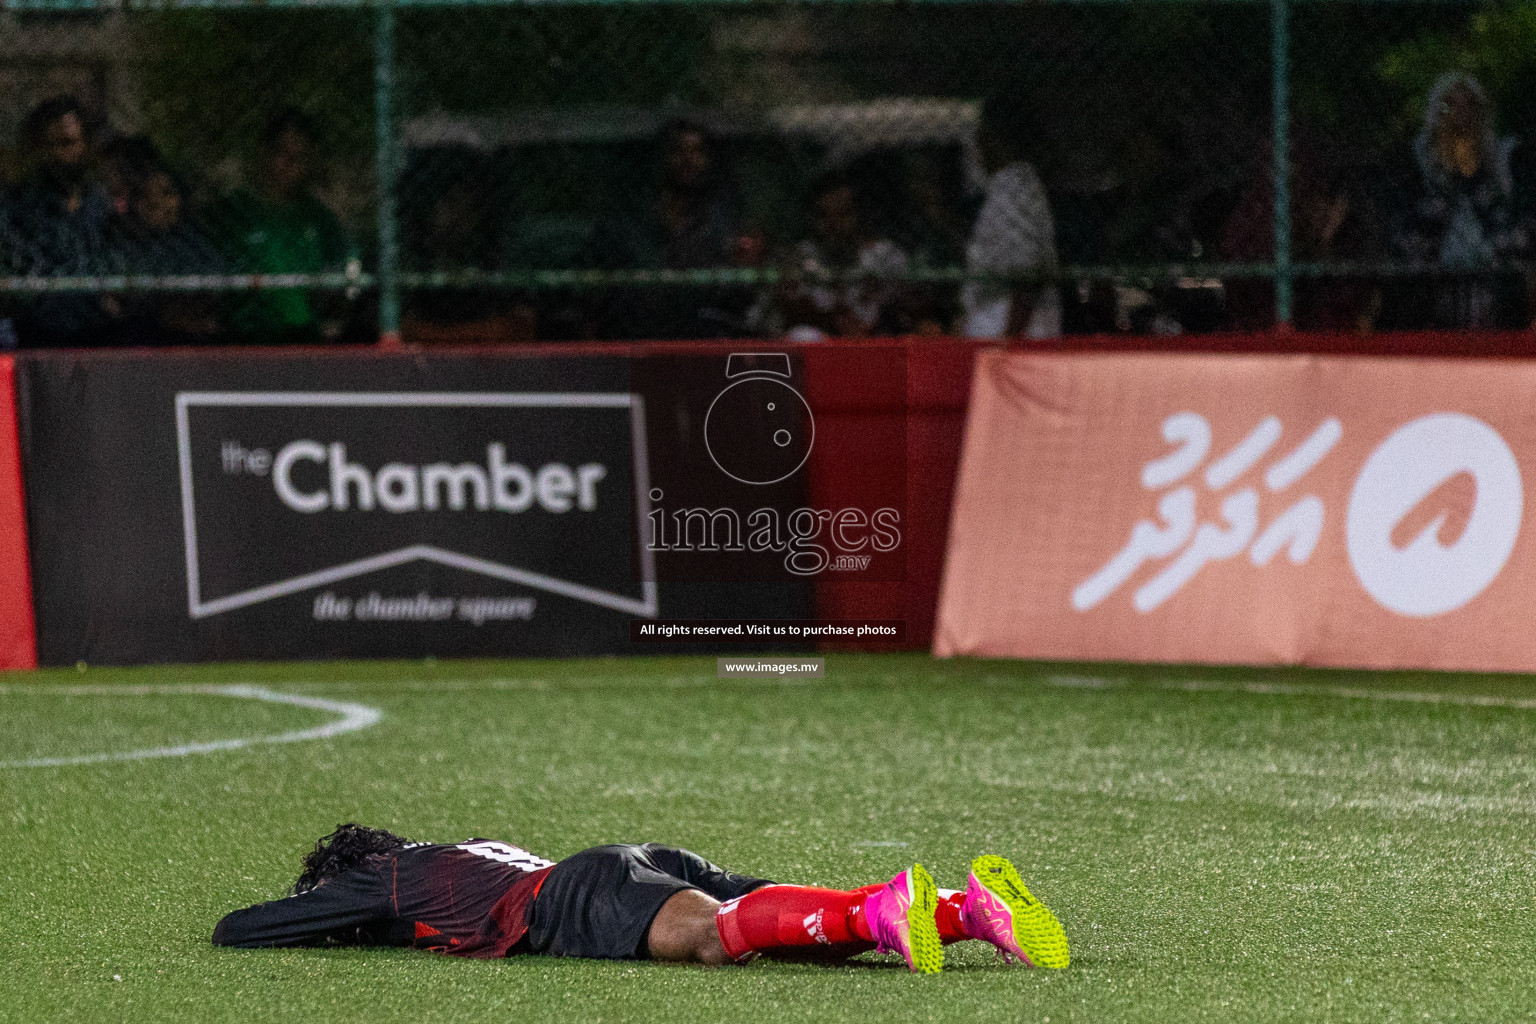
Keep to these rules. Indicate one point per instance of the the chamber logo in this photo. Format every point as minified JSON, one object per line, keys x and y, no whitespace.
{"x":498,"y":483}
{"x":286,"y":492}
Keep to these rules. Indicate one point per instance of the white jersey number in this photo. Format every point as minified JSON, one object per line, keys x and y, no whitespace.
{"x":506,"y":855}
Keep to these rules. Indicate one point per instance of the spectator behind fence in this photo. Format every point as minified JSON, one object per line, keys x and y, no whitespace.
{"x":280,"y":227}
{"x":833,"y":284}
{"x":934,"y":222}
{"x":54,"y":224}
{"x":1460,"y":213}
{"x":932,"y":225}
{"x":1014,"y":234}
{"x":452,"y":222}
{"x":1523,"y":166}
{"x":688,"y":222}
{"x":120,"y":162}
{"x":1331,"y":222}
{"x":153,"y":236}
{"x":1120,"y":198}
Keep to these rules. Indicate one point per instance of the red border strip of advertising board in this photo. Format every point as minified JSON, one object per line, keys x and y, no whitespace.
{"x":18,"y":630}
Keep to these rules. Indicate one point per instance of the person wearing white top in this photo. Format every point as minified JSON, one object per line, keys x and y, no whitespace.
{"x":843,"y":281}
{"x":1014,"y":234}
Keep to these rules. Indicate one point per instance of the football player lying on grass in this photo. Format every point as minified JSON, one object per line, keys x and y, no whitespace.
{"x":365,"y":886}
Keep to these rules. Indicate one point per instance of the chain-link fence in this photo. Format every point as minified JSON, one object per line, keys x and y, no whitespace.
{"x":216,"y":171}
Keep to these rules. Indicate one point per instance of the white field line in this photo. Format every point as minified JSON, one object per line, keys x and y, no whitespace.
{"x":353,"y":718}
{"x":1078,"y":682}
{"x":1302,"y":690}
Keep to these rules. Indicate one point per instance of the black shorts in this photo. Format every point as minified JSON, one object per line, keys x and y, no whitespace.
{"x":600,"y":902}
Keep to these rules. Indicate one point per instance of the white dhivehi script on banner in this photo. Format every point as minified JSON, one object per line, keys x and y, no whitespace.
{"x":1423,"y":577}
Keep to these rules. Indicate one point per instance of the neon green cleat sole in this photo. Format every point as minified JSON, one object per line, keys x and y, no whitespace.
{"x":998,"y":904}
{"x":927,"y":951}
{"x":902,"y":917}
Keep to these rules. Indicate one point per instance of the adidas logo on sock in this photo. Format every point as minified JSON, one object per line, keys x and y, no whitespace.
{"x":813,"y":925}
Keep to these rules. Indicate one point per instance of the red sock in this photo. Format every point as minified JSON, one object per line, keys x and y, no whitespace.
{"x":951,"y":928}
{"x":857,"y":922}
{"x":790,"y":916}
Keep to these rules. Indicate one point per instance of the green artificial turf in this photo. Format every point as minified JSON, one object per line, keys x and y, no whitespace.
{"x":1217,"y":850}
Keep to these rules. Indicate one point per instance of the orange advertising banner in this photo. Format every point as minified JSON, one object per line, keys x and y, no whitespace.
{"x":1319,"y":510}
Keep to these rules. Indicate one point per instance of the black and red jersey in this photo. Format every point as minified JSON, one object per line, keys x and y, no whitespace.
{"x":465,"y":899}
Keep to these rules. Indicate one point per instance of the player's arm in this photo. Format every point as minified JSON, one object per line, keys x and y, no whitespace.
{"x":332,"y":912}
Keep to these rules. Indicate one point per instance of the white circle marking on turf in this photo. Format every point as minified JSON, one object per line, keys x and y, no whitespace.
{"x":354,"y":717}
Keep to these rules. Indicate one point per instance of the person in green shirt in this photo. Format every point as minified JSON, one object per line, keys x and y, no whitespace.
{"x":280,"y":227}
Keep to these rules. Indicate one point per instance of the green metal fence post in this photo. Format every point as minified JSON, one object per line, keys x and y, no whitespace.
{"x":1280,"y":60}
{"x":385,"y":163}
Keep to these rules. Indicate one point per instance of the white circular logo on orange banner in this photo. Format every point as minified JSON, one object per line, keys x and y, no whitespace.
{"x":1434,"y":514}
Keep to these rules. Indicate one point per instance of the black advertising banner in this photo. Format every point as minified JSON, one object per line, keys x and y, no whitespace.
{"x":263,"y":505}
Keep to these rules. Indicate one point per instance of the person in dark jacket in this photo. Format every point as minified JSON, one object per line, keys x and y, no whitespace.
{"x":154,"y":237}
{"x":688,"y":221}
{"x":54,"y":225}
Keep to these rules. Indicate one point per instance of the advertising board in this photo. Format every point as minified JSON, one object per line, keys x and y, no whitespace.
{"x":1322,"y":510}
{"x":214,"y":507}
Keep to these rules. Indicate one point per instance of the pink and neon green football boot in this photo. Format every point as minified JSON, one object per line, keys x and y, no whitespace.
{"x":1001,"y":911}
{"x":901,"y":917}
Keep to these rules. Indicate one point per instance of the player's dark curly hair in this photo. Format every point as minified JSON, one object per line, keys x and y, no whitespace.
{"x":343,"y":850}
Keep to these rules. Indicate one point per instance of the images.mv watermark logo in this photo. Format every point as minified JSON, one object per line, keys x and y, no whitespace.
{"x":760,"y":431}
